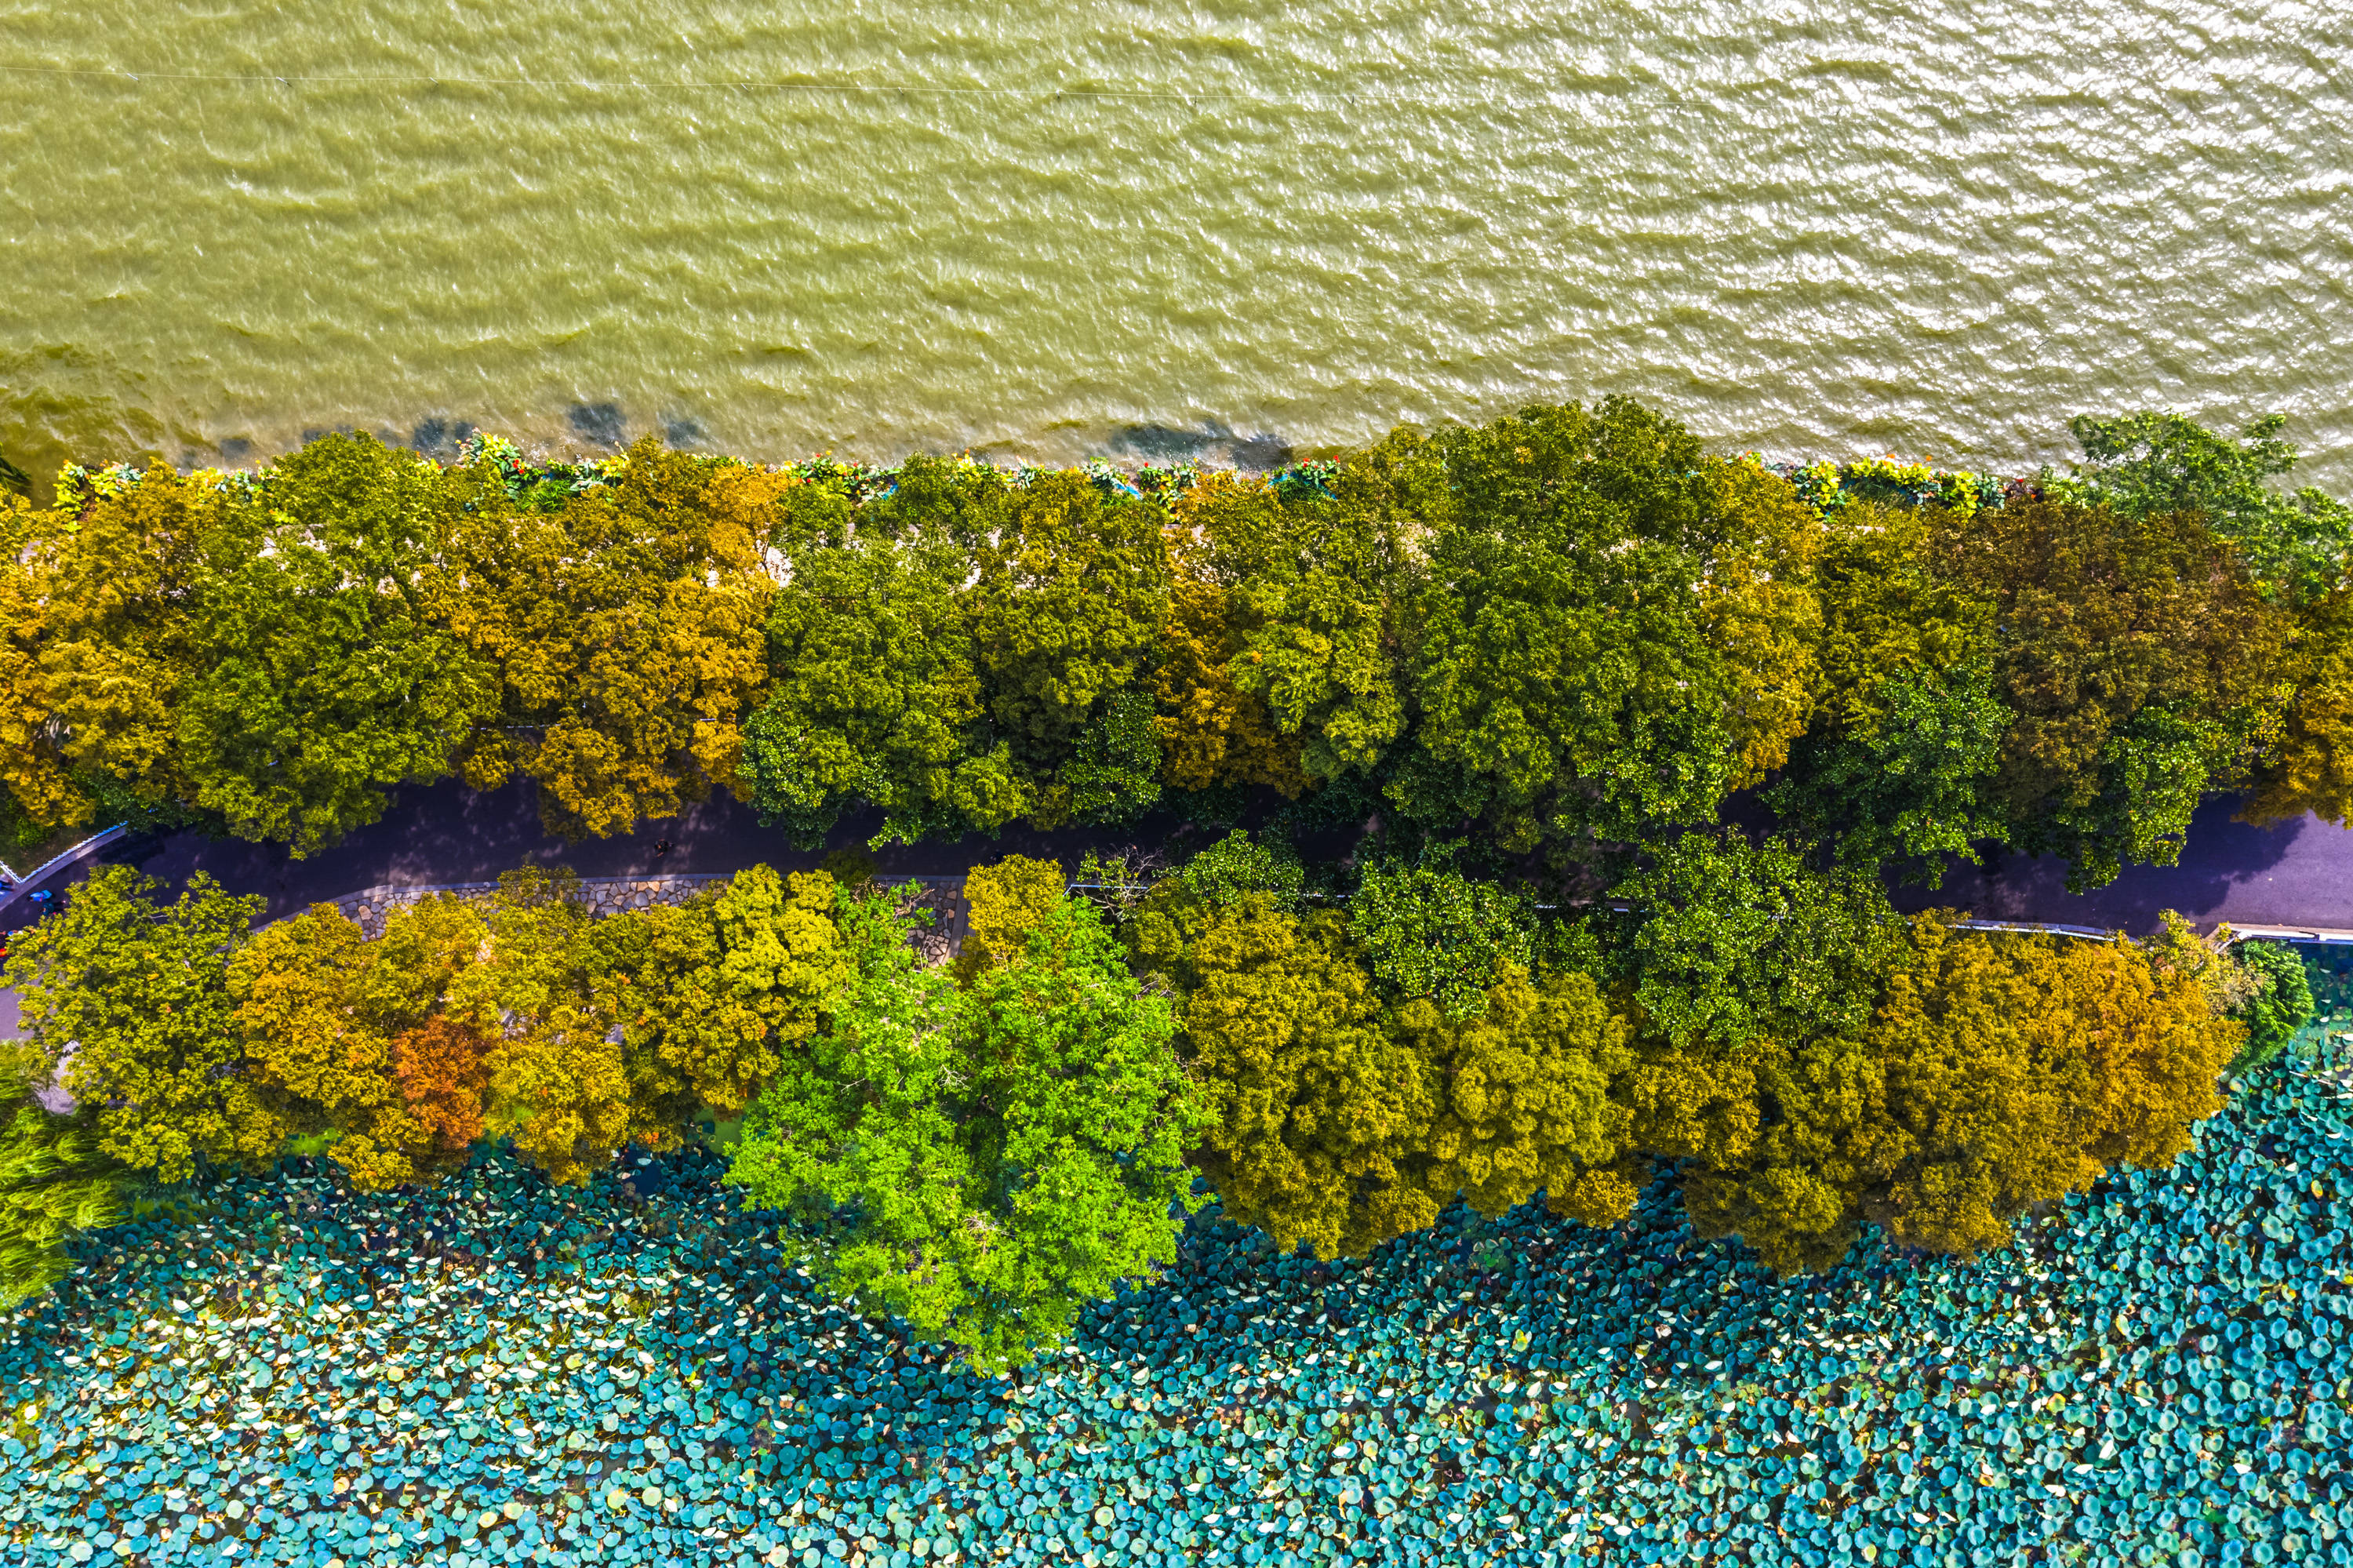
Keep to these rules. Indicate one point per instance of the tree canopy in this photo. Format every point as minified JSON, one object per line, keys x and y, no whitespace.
{"x":878,"y":693}
{"x":1908,"y":730}
{"x":2149,"y":464}
{"x":1573,"y":631}
{"x":625,"y":633}
{"x":981,"y":1161}
{"x":2141,"y":667}
{"x":323,"y":675}
{"x":2309,"y":765}
{"x":1612,"y":630}
{"x":55,"y":1181}
{"x":128,"y":1002}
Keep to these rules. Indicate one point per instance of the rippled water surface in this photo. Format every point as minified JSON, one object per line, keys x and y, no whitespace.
{"x":1812,"y":225}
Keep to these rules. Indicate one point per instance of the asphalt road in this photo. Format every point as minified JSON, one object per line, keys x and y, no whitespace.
{"x":2298,"y":873}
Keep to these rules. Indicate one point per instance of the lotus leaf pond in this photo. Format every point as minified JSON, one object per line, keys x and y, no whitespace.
{"x":502,"y":1372}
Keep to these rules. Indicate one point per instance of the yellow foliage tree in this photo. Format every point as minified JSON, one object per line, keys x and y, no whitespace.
{"x":30,"y":764}
{"x":96,"y":636}
{"x":1759,"y":607}
{"x":1317,"y":1106}
{"x":1527,"y":1105}
{"x":559,"y":1082}
{"x":2021,"y":1068}
{"x":2310,"y":766}
{"x":2000,"y":1072}
{"x":1006,"y":902}
{"x":319,"y":1052}
{"x":1213,"y":732}
{"x":629,"y":630}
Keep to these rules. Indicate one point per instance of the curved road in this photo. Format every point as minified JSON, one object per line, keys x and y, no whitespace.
{"x":2297,"y":874}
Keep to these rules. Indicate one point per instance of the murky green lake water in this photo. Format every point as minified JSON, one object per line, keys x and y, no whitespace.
{"x":1046,"y":230}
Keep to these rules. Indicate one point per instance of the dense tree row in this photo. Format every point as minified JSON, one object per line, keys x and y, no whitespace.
{"x":1802,"y":1058}
{"x":1524,"y":665}
{"x":1566,"y":632}
{"x":980,"y":1146}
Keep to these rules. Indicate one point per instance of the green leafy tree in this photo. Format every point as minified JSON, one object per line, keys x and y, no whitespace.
{"x":1740,"y":957}
{"x":878,"y":693}
{"x":129,"y":1003}
{"x":1908,"y":731}
{"x":324,"y":675}
{"x":2296,"y":543}
{"x":1590,"y":577}
{"x":2279,"y":1000}
{"x":55,"y":1181}
{"x":982,"y":1163}
{"x":1072,"y":597}
{"x":1736,"y":940}
{"x":2142,"y":665}
{"x":1429,"y":931}
{"x":1236,"y":865}
{"x":1113,"y":776}
{"x":1342,"y":1123}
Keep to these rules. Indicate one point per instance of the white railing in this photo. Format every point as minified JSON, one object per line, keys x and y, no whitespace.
{"x":25,"y":885}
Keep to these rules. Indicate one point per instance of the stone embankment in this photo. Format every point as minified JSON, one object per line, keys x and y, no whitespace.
{"x":603,"y":894}
{"x":368,"y":908}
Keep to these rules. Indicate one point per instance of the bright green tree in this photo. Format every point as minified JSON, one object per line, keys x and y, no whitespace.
{"x":128,"y":1001}
{"x":1236,"y":865}
{"x":981,"y":1162}
{"x":55,"y":1181}
{"x":2297,"y":543}
{"x":2279,"y":1000}
{"x":322,"y":674}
